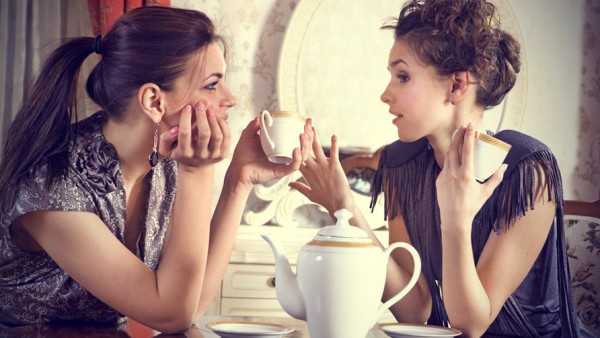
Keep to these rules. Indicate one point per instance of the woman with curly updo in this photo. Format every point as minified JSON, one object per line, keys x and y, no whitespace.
{"x":493,"y":253}
{"x":110,"y":216}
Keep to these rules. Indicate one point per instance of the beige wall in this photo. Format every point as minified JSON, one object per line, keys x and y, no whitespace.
{"x":562,"y":44}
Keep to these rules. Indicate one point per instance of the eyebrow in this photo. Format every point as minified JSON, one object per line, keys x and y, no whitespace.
{"x":216,"y":74}
{"x":396,"y":62}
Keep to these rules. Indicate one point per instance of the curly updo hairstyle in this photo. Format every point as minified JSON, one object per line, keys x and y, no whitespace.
{"x":462,"y":35}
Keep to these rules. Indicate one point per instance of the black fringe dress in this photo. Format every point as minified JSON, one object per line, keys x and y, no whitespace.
{"x":542,"y":306}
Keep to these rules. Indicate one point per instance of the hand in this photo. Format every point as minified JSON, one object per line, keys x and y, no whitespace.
{"x":194,"y":146}
{"x":327,"y":184}
{"x":460,"y":196}
{"x":252,"y":166}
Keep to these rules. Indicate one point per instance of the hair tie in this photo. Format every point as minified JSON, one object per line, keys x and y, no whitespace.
{"x":97,"y":44}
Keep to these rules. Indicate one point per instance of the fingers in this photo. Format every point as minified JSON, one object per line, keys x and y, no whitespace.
{"x":301,"y":187}
{"x":306,"y":139}
{"x":453,"y":155}
{"x":226,"y":143}
{"x":216,"y":136}
{"x":203,"y":127}
{"x":316,"y":147}
{"x":167,"y":141}
{"x":184,"y":135}
{"x":335,"y":150}
{"x":468,"y":149}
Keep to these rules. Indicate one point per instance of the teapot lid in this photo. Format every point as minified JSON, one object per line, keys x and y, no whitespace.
{"x":342,"y":231}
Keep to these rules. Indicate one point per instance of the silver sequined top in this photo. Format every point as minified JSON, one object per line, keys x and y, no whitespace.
{"x":33,"y":288}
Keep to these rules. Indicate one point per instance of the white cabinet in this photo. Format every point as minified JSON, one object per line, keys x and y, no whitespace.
{"x":249,"y":290}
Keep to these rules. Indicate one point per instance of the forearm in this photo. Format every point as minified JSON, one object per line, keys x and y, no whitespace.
{"x":465,"y":299}
{"x":183,"y":259}
{"x":224,"y":227}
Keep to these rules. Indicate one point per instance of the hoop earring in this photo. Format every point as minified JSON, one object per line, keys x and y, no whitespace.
{"x":153,"y":158}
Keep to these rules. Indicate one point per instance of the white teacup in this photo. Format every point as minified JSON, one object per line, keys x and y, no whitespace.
{"x":490,"y":153}
{"x":280,"y":134}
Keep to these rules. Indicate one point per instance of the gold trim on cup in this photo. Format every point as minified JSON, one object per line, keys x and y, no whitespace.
{"x":493,"y":141}
{"x":287,"y":114}
{"x":316,"y":242}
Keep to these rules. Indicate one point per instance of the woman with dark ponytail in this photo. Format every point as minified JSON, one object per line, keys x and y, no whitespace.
{"x":110,"y":216}
{"x":493,"y":253}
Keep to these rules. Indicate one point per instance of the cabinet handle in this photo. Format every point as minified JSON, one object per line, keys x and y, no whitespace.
{"x":271,"y":282}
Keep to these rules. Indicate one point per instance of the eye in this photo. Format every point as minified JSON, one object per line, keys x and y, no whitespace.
{"x":211,"y":86}
{"x":403,"y":77}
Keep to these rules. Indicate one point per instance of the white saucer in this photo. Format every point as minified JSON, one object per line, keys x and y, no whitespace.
{"x":398,"y":330}
{"x":237,"y":329}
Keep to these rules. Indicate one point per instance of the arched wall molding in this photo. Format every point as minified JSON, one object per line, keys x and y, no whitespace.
{"x":289,"y":74}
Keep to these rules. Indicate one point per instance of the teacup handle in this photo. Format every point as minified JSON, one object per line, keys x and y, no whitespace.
{"x":266,"y":121}
{"x":413,"y":280}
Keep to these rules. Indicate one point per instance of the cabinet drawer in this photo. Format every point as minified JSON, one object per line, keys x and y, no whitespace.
{"x":249,"y":281}
{"x":251,"y":307}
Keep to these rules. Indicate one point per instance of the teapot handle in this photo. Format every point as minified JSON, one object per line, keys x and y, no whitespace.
{"x":413,"y":280}
{"x":266,"y":121}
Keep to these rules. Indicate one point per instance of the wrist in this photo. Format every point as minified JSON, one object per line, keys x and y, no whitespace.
{"x":234,"y":183}
{"x":202,"y":170}
{"x":457,"y":229}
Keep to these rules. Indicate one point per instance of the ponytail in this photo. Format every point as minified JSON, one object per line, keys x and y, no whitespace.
{"x":135,"y":50}
{"x":41,"y":132}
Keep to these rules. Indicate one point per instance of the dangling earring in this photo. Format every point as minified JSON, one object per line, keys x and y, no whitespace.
{"x":153,"y":158}
{"x":452,"y":102}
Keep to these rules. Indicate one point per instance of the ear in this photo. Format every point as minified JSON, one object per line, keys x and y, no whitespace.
{"x":152,"y":101}
{"x":459,"y":85}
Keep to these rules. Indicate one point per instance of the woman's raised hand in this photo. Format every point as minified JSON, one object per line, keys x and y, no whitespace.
{"x":195,"y":145}
{"x":250,"y":163}
{"x":459,"y":195}
{"x":326,"y":182}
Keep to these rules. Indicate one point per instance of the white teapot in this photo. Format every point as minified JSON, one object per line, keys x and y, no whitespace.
{"x":339,"y":281}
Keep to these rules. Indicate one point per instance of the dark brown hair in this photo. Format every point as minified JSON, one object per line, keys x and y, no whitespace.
{"x":147,"y":45}
{"x":462,"y":35}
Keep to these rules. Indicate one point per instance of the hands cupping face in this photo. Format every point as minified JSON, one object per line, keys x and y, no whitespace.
{"x":201,"y":138}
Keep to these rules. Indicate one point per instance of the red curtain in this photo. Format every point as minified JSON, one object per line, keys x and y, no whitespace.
{"x":104,"y":13}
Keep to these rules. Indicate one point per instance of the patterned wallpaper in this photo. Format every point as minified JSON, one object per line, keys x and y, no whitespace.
{"x":563,"y":73}
{"x":587,"y":171}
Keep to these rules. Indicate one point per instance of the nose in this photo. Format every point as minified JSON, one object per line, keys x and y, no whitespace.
{"x":386,"y":97}
{"x":229,"y":100}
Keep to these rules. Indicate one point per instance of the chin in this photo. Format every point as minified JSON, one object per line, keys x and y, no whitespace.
{"x":407,"y":138}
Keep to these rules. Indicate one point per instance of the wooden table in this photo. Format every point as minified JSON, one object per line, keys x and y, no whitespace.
{"x":137,"y":330}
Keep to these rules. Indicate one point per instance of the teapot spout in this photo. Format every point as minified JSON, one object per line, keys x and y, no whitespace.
{"x":286,"y":284}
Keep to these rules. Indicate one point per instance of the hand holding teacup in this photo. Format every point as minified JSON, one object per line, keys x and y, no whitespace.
{"x":489,"y":153}
{"x":279,"y":134}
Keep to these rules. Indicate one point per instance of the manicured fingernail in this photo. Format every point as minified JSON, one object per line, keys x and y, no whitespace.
{"x":209,"y":111}
{"x":200,"y":105}
{"x":187,"y":107}
{"x":174,"y":130}
{"x":470,"y":126}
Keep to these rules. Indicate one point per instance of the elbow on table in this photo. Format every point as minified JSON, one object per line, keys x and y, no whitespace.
{"x":173,"y":323}
{"x":470,"y":330}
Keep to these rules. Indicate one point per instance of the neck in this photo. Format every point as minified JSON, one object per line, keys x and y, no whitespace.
{"x":133,"y":138}
{"x":440,"y":141}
